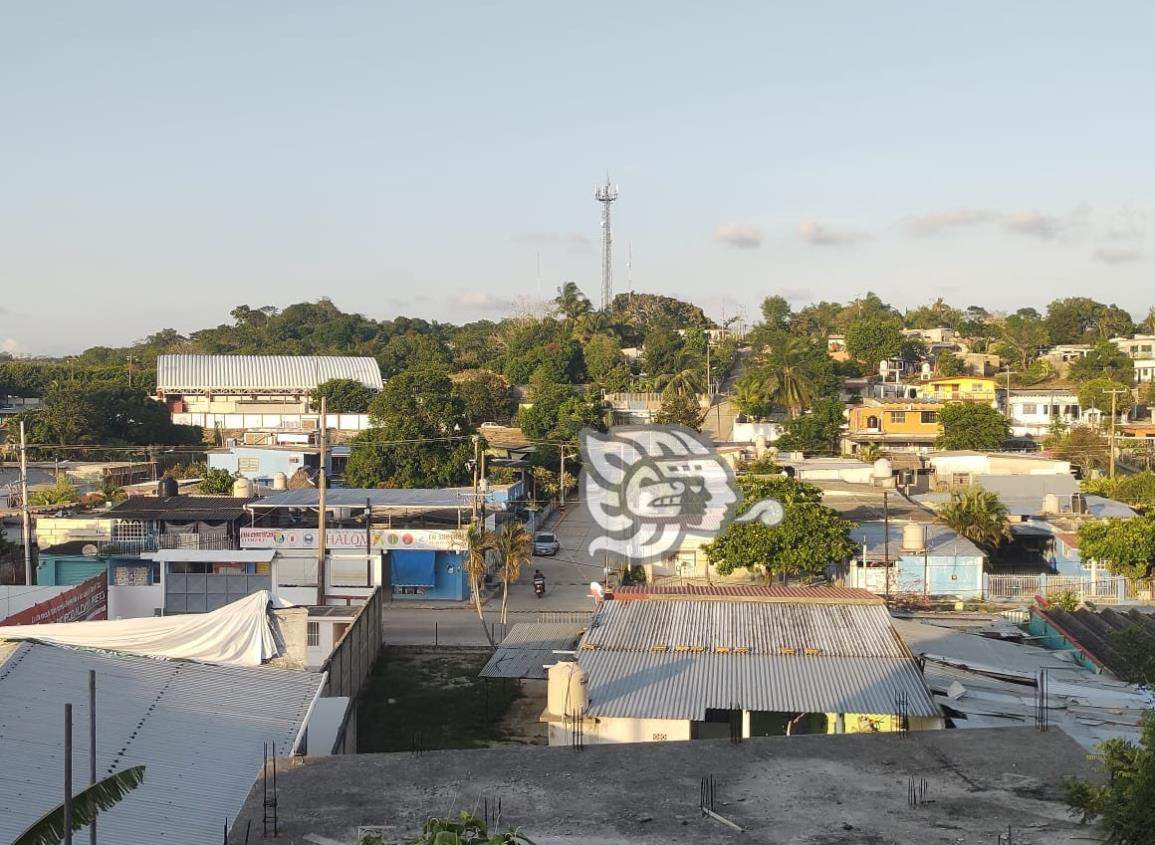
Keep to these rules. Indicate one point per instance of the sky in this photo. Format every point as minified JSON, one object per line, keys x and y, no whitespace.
{"x":161,"y":163}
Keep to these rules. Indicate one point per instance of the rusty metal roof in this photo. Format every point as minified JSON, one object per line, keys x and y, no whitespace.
{"x":752,"y":592}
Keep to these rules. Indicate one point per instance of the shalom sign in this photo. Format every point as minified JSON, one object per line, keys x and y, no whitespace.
{"x":380,"y":539}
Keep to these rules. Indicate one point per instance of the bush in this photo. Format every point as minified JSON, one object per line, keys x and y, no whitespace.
{"x":61,"y":493}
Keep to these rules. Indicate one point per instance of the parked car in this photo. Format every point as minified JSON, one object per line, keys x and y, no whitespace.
{"x":545,"y":543}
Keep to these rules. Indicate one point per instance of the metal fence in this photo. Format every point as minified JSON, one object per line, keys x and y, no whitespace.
{"x":1103,"y":589}
{"x":350,"y":665}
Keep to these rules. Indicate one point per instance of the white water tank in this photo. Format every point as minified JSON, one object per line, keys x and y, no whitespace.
{"x":243,"y":488}
{"x":913,"y":537}
{"x":760,"y":445}
{"x":1051,"y":503}
{"x":882,"y":470}
{"x":280,"y":481}
{"x":567,"y":692}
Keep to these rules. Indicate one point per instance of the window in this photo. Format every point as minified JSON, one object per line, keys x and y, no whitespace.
{"x":1030,"y":409}
{"x":898,"y":416}
{"x":930,"y":417}
{"x":1073,"y":411}
{"x":1146,"y":347}
{"x":313,"y":636}
{"x":248,"y":464}
{"x":976,"y":387}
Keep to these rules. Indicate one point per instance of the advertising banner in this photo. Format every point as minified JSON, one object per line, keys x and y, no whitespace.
{"x":84,"y":602}
{"x":380,"y":539}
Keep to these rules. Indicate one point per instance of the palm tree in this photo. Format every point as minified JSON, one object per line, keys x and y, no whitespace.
{"x":571,"y":302}
{"x":978,"y":515}
{"x":589,"y":323}
{"x":478,"y":544}
{"x":513,"y":545}
{"x":686,"y":381}
{"x":787,"y":382}
{"x":86,"y":806}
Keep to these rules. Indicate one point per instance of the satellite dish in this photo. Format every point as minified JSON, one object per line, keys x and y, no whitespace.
{"x":596,"y":591}
{"x":89,"y":550}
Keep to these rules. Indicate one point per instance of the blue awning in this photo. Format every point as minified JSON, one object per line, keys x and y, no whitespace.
{"x":411,"y":568}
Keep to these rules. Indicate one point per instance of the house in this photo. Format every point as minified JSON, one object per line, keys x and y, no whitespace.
{"x":961,"y":467}
{"x":270,"y":464}
{"x":201,"y":730}
{"x":836,"y":347}
{"x":960,"y":389}
{"x":1140,"y":349}
{"x":933,"y":337}
{"x":633,"y":408}
{"x":923,"y":559}
{"x":1033,"y":412}
{"x":506,"y":445}
{"x":236,"y":392}
{"x":661,"y":664}
{"x":893,"y":426}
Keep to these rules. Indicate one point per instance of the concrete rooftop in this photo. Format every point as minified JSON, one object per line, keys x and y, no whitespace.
{"x":804,"y":789}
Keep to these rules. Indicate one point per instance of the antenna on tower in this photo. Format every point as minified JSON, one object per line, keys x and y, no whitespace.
{"x":606,"y":194}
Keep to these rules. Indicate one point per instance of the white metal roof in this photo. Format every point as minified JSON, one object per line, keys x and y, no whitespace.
{"x":197,"y":373}
{"x":198,"y":729}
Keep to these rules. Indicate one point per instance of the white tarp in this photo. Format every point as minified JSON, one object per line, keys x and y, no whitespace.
{"x":238,"y":634}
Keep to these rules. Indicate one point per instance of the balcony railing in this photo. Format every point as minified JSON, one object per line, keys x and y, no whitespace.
{"x":156,"y":543}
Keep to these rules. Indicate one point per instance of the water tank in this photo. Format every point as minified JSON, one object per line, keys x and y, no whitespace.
{"x":882,"y":470}
{"x":243,"y":488}
{"x":913,"y":537}
{"x":1051,"y":503}
{"x":167,"y":487}
{"x":760,"y":445}
{"x":567,"y":689}
{"x":280,"y":481}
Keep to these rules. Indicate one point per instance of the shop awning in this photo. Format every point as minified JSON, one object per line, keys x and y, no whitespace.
{"x":412,"y":568}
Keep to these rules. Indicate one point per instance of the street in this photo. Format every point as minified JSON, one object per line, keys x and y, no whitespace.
{"x":567,"y":589}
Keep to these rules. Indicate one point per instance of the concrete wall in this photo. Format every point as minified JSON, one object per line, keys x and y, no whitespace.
{"x":623,"y":730}
{"x":291,"y":627}
{"x":134,"y":602}
{"x":268,"y":461}
{"x":54,"y":530}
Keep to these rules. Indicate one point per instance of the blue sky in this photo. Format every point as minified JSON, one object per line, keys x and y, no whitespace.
{"x":163,"y":162}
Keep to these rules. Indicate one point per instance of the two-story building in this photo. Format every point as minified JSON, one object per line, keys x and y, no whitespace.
{"x":236,"y":392}
{"x":960,"y":389}
{"x":893,"y":426}
{"x":1141,"y":349}
{"x":1033,"y":412}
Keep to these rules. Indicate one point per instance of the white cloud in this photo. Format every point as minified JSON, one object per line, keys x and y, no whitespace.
{"x":479,"y":300}
{"x":937,"y":222}
{"x":1117,"y":255}
{"x":739,"y":235}
{"x":1034,"y":224}
{"x":821,"y":234}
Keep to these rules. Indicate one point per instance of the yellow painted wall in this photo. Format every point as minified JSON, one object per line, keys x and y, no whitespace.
{"x":880,"y":723}
{"x":623,"y":730}
{"x":895,"y":418}
{"x":54,"y":530}
{"x":965,"y":388}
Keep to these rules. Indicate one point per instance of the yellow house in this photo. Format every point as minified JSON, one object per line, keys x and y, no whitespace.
{"x":960,"y":389}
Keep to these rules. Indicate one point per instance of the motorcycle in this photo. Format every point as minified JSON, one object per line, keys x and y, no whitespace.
{"x":539,"y":588}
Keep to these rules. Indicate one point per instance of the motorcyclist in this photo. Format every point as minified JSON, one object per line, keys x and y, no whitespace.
{"x":538,"y":583}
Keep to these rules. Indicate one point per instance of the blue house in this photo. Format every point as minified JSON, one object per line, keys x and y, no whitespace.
{"x":920,"y":558}
{"x":262,"y":463}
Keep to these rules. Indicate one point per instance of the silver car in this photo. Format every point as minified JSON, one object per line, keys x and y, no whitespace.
{"x":545,"y":543}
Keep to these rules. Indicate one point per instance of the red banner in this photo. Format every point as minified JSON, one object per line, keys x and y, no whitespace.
{"x":84,"y":602}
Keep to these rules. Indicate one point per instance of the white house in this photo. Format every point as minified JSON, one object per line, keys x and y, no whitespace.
{"x":1032,"y":412}
{"x":1141,"y":349}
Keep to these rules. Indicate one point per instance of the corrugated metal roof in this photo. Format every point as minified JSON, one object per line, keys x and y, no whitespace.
{"x":528,"y":647}
{"x":770,"y":628}
{"x":683,"y":686}
{"x":198,"y":729}
{"x":748,"y":591}
{"x":941,"y":540}
{"x":448,"y":497}
{"x":196,"y":373}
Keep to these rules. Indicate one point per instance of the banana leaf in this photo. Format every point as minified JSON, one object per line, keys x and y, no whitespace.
{"x":86,"y":806}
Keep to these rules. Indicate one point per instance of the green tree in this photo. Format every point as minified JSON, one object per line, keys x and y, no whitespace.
{"x":1137,"y":490}
{"x":557,"y":414}
{"x":417,"y":436}
{"x":60,"y":493}
{"x":1097,"y":394}
{"x":342,"y":396}
{"x":571,"y":303}
{"x":1104,"y":361}
{"x":1020,"y":337}
{"x":947,"y":364}
{"x":478,"y":544}
{"x":978,"y":515}
{"x":662,"y":350}
{"x":514,"y":546}
{"x":934,"y":315}
{"x":484,"y":396}
{"x":874,"y":339}
{"x":410,"y":350}
{"x":217,"y":482}
{"x":969,"y":425}
{"x":605,"y":363}
{"x":1125,"y":546}
{"x":776,"y":313}
{"x":816,"y":432}
{"x":810,"y":536}
{"x":1083,"y":446}
{"x":679,"y":409}
{"x":1122,"y":801}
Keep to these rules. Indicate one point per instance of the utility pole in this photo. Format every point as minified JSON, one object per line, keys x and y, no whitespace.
{"x":561,"y":481}
{"x":886,"y":542}
{"x":1111,"y":440}
{"x":322,"y":485}
{"x":25,"y":516}
{"x":476,"y":472}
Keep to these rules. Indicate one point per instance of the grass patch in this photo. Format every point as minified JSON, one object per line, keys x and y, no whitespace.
{"x":437,"y":696}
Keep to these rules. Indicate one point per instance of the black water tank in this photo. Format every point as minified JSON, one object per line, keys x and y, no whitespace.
{"x":167,"y":487}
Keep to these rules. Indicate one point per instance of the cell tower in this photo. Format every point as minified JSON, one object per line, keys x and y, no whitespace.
{"x":606,"y":194}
